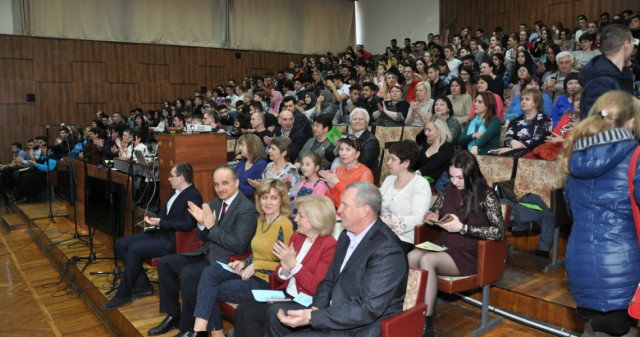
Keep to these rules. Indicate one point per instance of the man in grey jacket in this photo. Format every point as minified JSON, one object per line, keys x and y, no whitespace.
{"x":235,"y":225}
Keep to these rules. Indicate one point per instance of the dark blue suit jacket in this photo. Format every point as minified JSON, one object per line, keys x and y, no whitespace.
{"x":179,"y":218}
{"x":370,"y":288}
{"x":297,"y":138}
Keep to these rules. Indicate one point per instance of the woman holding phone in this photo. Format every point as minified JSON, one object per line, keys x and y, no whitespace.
{"x":469,"y":211}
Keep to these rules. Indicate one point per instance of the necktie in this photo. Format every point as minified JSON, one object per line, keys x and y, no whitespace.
{"x":224,"y":210}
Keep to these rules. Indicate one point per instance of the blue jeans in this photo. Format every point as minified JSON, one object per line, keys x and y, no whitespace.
{"x":217,"y":284}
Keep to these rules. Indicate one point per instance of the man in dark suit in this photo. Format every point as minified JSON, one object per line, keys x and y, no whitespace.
{"x":158,"y":239}
{"x":369,"y":144}
{"x":230,"y":235}
{"x":286,"y":129}
{"x":366,"y":280}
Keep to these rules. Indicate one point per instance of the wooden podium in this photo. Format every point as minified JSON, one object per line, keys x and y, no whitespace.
{"x":204,"y":151}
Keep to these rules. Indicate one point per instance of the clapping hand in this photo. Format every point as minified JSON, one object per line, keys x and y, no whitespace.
{"x":253,"y":182}
{"x":287,"y":256}
{"x":329,"y":177}
{"x":203,"y":215}
{"x":154,"y":222}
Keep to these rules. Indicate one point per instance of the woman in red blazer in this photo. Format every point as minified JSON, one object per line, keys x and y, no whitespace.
{"x":302,"y":265}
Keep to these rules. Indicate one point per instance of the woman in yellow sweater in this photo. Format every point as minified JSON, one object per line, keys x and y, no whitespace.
{"x":218,"y":284}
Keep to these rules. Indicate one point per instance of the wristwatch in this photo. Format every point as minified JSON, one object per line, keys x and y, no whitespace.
{"x":463,"y":230}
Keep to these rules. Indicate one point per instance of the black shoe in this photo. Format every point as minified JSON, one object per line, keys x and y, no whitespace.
{"x":142,"y":291}
{"x":22,"y":201}
{"x":184,"y":334}
{"x":117,"y":302}
{"x":428,"y":330}
{"x":167,"y":324}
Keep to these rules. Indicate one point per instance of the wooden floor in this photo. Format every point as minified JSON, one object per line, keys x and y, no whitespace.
{"x":35,"y":302}
{"x":543,"y":296}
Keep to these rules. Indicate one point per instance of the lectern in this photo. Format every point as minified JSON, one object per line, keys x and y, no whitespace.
{"x":204,"y":151}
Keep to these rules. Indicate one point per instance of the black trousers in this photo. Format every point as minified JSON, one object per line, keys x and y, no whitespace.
{"x":180,"y":271}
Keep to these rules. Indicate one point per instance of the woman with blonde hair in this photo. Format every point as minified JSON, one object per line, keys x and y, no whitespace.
{"x":221,"y":284}
{"x":421,"y":109}
{"x":390,"y":81}
{"x":438,"y":148}
{"x":603,"y":255}
{"x":302,"y":265}
{"x":251,"y":162}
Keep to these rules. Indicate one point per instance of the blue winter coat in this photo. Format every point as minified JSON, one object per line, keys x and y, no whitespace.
{"x":603,"y":255}
{"x":599,"y":76}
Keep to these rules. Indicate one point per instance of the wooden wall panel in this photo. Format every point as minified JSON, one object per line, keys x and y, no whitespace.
{"x":124,"y":92}
{"x":123,"y":72}
{"x":89,"y":72}
{"x":151,"y":54}
{"x":52,"y":70}
{"x":154,"y":92}
{"x":15,"y":91}
{"x":209,"y":76}
{"x":182,"y":73}
{"x":508,"y":14}
{"x":87,"y":92}
{"x":73,"y":79}
{"x":16,"y":69}
{"x":54,"y":113}
{"x":92,"y":51}
{"x":185,"y":90}
{"x":47,"y":93}
{"x":15,"y":47}
{"x":154,"y":73}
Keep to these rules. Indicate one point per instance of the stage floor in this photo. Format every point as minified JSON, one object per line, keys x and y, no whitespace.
{"x":524,"y":289}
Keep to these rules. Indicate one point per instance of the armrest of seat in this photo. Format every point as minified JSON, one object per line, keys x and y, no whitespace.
{"x":492,"y":259}
{"x":424,"y":233}
{"x":407,"y":323}
{"x":240,"y":257}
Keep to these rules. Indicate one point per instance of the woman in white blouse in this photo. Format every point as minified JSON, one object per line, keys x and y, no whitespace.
{"x":406,"y":196}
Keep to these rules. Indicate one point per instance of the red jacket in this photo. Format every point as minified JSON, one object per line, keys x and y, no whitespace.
{"x":411,"y":92}
{"x":314,"y":264}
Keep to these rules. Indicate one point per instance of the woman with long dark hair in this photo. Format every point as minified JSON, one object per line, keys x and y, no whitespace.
{"x":482,"y":133}
{"x":473,"y":213}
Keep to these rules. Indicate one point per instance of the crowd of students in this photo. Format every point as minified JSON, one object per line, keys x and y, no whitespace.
{"x":517,"y":94}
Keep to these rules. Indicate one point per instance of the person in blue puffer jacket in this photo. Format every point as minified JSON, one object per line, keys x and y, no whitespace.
{"x":603,"y":254}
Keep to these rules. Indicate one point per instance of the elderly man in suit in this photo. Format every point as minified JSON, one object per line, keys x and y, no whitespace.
{"x":231,"y":235}
{"x":159,"y":238}
{"x":369,"y":144}
{"x":365,"y":282}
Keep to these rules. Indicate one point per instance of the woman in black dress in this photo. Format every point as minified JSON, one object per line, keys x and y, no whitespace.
{"x":474,"y":213}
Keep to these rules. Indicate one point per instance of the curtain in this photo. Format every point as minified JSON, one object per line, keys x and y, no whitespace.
{"x":309,"y":26}
{"x":184,"y":22}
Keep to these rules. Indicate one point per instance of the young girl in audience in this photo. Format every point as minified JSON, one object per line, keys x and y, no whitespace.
{"x":312,"y":185}
{"x":596,"y":156}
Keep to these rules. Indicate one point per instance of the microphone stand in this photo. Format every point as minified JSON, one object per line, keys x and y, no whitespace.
{"x":49,"y":188}
{"x":92,"y":255}
{"x":72,"y":197}
{"x":116,"y":272}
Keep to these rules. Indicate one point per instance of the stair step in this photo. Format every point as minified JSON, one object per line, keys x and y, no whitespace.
{"x":14,"y":221}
